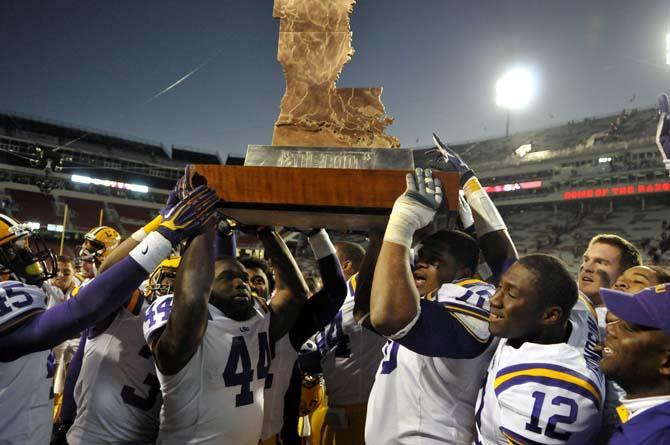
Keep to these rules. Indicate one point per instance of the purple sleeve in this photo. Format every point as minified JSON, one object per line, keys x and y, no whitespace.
{"x":68,"y":410}
{"x":225,"y":245}
{"x":320,"y":309}
{"x":437,"y":333}
{"x":94,"y":302}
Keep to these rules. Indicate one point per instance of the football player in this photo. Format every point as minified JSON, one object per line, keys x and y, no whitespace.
{"x":211,"y":342}
{"x":350,"y":356}
{"x":117,"y":393}
{"x":605,"y":258}
{"x":439,"y":345}
{"x":636,"y":354}
{"x":98,"y":244}
{"x":28,"y":331}
{"x":317,"y":312}
{"x":544,"y":383}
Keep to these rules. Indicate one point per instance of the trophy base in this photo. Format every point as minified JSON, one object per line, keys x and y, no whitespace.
{"x":341,"y":199}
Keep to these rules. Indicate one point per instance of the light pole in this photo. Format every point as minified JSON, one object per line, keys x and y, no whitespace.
{"x":514,"y":91}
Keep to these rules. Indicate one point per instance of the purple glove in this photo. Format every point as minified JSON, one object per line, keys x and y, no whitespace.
{"x":454,"y":159}
{"x":189,"y":181}
{"x":189,"y":215}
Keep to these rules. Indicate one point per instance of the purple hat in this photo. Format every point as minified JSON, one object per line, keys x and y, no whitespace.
{"x":649,"y":307}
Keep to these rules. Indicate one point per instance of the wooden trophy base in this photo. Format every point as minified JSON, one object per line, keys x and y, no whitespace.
{"x":341,"y":199}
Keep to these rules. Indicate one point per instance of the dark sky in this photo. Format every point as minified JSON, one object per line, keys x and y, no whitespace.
{"x":96,"y":64}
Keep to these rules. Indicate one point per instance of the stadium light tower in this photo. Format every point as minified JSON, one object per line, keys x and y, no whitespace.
{"x":514,"y":91}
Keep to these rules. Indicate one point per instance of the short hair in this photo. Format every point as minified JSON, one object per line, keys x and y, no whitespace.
{"x":662,"y":275}
{"x":252,"y":262}
{"x":352,"y":252}
{"x":461,"y":246}
{"x":554,"y":284}
{"x":630,"y":255}
{"x":64,"y":259}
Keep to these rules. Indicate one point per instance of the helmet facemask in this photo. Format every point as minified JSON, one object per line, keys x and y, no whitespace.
{"x":28,"y":259}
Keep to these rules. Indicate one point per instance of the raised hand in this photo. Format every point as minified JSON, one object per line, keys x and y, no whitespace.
{"x":421,"y":199}
{"x":189,"y":215}
{"x":189,"y":181}
{"x":454,"y":159}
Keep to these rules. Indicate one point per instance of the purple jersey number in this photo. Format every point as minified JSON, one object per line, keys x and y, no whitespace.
{"x":239,"y":357}
{"x":128,"y":392}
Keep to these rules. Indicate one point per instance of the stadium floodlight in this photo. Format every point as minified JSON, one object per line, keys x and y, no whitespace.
{"x":107,"y":183}
{"x":515,"y":90}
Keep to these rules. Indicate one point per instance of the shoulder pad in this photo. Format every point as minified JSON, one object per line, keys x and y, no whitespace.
{"x":18,"y":298}
{"x":468,"y":301}
{"x":156,"y":316}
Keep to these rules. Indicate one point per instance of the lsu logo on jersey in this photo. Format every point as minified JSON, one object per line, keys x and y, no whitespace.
{"x":17,"y":298}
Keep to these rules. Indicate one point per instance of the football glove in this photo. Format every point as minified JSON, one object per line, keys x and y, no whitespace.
{"x":189,"y":215}
{"x":464,"y":171}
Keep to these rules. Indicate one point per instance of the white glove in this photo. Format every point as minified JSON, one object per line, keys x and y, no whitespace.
{"x":415,"y":208}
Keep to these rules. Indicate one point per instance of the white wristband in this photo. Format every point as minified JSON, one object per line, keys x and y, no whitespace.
{"x":321,"y":244}
{"x":151,"y":251}
{"x":480,"y":202}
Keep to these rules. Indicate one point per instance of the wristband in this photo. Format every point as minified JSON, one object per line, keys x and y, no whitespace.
{"x":480,"y":202}
{"x":321,"y":244}
{"x":403,"y":222}
{"x":151,"y":251}
{"x":142,"y":233}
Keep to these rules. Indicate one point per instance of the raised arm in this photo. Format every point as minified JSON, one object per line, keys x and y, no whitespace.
{"x":494,"y":239}
{"x":187,"y":321}
{"x":321,"y":307}
{"x":394,"y":301}
{"x":291,"y":292}
{"x":107,"y":292}
{"x":364,"y":278}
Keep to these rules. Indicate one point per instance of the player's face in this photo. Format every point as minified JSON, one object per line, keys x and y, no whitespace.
{"x":600,"y":268}
{"x":632,"y":354}
{"x":63,"y":279}
{"x":515,"y":310}
{"x":433,"y":268}
{"x":259,"y":282}
{"x":231,"y":292}
{"x":87,"y":269}
{"x":635,"y":279}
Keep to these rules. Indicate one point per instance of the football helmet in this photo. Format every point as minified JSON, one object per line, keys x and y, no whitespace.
{"x":161,"y":280}
{"x":98,"y":243}
{"x":311,"y":394}
{"x":23,"y":254}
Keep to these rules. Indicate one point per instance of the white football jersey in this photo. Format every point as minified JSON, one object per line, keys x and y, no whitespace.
{"x":218,"y":396}
{"x":418,"y":399}
{"x":26,"y":384}
{"x":117,"y":394}
{"x":544,"y":394}
{"x":284,"y":357}
{"x":350,"y":355}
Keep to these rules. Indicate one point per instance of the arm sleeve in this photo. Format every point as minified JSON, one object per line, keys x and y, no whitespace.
{"x":69,"y":408}
{"x":225,"y":245}
{"x":438,"y":332}
{"x":320,"y":309}
{"x":93,"y":303}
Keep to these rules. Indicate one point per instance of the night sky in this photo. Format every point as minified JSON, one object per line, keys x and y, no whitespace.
{"x":100,"y":64}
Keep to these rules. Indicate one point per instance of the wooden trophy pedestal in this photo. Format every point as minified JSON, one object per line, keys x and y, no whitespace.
{"x":341,"y":199}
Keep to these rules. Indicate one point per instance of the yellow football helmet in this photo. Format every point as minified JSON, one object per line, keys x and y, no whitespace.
{"x":312,"y":393}
{"x":98,"y":243}
{"x":23,"y":254}
{"x":161,"y":280}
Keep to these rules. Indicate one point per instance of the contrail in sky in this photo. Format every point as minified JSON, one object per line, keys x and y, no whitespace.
{"x":195,"y":70}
